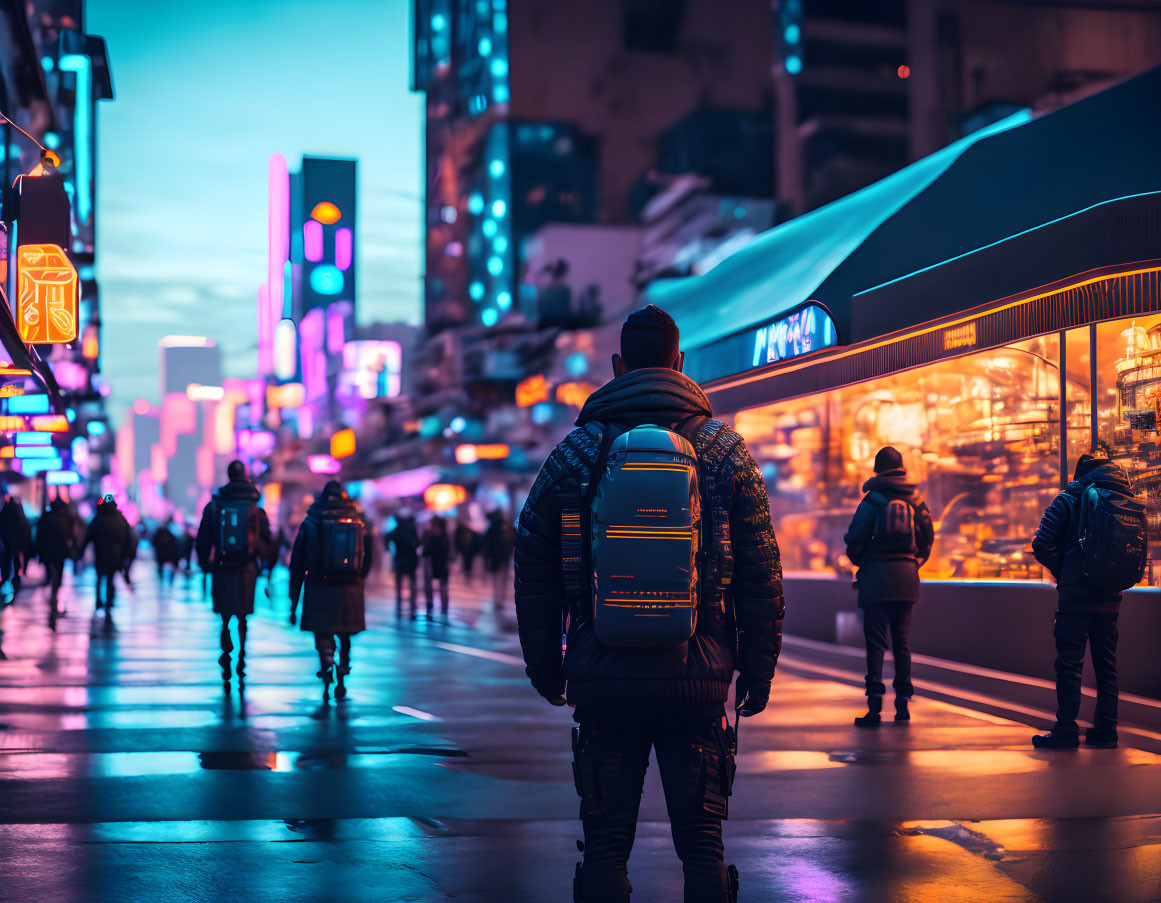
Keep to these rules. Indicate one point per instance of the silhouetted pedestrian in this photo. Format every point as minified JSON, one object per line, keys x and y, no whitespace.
{"x":403,"y":543}
{"x":16,"y":534}
{"x":165,"y":550}
{"x":436,"y":563}
{"x":889,"y":540}
{"x":331,"y":557}
{"x":467,"y":542}
{"x":1093,"y":539}
{"x":112,"y":540}
{"x":499,"y":541}
{"x":54,"y":546}
{"x":233,"y":537}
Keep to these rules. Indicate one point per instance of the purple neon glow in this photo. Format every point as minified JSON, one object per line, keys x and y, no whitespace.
{"x":279,"y":241}
{"x":336,"y":326}
{"x":322,"y":464}
{"x":312,"y":341}
{"x":265,"y":332}
{"x":312,"y":240}
{"x":344,"y":249}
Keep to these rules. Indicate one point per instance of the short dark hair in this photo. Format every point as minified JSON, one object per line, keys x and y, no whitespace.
{"x":649,"y":338}
{"x":236,"y":470}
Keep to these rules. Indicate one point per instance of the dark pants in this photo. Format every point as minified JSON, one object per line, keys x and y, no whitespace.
{"x":110,"y":589}
{"x":429,"y":579}
{"x":1072,"y":631}
{"x":610,"y":757}
{"x":228,"y":647}
{"x":325,"y":643}
{"x":54,"y":573}
{"x":879,"y":619}
{"x":468,"y":562}
{"x":402,"y":577}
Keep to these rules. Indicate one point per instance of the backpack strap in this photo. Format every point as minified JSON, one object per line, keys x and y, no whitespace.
{"x":714,"y":443}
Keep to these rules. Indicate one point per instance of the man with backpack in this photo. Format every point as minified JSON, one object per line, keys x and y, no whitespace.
{"x":54,"y":546}
{"x":331,"y":556}
{"x":1093,"y":539}
{"x":889,"y":540}
{"x":113,"y":541}
{"x":233,"y":537}
{"x":679,"y":585}
{"x":403,"y":543}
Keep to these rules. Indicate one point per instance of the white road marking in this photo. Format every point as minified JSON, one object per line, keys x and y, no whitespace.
{"x":415,"y":713}
{"x":483,"y":653}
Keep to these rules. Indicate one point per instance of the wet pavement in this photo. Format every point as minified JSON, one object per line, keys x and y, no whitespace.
{"x":126,"y":774}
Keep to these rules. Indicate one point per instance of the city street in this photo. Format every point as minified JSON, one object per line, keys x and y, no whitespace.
{"x":126,"y":774}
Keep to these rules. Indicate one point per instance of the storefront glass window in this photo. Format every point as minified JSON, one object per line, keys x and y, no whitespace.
{"x":1076,"y":343}
{"x":1129,"y":397}
{"x":980,"y":434}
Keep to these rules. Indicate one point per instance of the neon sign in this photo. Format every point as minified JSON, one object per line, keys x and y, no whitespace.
{"x":802,"y":332}
{"x":46,"y":310}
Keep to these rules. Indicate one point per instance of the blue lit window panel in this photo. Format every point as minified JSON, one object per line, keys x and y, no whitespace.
{"x":28,"y":404}
{"x":792,"y":34}
{"x":34,"y":438}
{"x":476,"y":290}
{"x":499,"y":67}
{"x":326,"y":279}
{"x":439,"y":22}
{"x":495,"y":266}
{"x":46,"y":63}
{"x":458,"y":424}
{"x":496,"y":168}
{"x":499,"y":208}
{"x":542,"y":412}
{"x":490,"y":316}
{"x":504,"y":300}
{"x":793,"y":64}
{"x":488,"y":228}
{"x":500,"y":94}
{"x":484,"y":46}
{"x":500,"y":245}
{"x":576,"y":364}
{"x":475,"y":203}
{"x":96,"y":427}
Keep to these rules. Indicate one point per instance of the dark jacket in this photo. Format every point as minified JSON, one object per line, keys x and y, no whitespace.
{"x":16,"y":533}
{"x":165,"y":550}
{"x":888,"y":576}
{"x":1056,"y":544}
{"x":467,"y":541}
{"x":437,"y":548}
{"x":695,"y":676}
{"x":233,"y":585}
{"x":403,"y":542}
{"x":54,"y":534}
{"x":111,"y":538}
{"x":499,"y":541}
{"x":327,"y":606}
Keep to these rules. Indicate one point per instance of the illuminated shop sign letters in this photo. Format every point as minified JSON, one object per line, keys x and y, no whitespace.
{"x":802,"y":332}
{"x":46,"y":311}
{"x":959,"y":337}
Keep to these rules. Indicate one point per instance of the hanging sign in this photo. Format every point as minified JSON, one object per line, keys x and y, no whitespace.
{"x":46,"y":308}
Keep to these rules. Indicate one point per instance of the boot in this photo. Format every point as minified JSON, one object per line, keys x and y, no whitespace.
{"x":224,"y":663}
{"x":1101,"y":737}
{"x":902,"y":715}
{"x":1056,"y":740}
{"x":732,"y":876}
{"x":325,"y":674}
{"x":340,"y":686}
{"x":873,"y":717}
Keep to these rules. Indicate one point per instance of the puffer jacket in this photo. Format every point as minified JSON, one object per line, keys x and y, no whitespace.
{"x":745,"y":634}
{"x":1056,"y":544}
{"x":111,"y":537}
{"x":328,"y":606}
{"x":233,"y":585}
{"x":884,"y":575}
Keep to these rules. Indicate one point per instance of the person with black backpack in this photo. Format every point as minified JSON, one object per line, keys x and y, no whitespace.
{"x":889,"y":540}
{"x":1093,"y":539}
{"x":403,"y":543}
{"x":112,"y":540}
{"x":647,"y":539}
{"x":233,"y":537}
{"x":331,"y":557}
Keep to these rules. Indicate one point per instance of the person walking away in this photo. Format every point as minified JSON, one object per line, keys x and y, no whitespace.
{"x":436,"y":563}
{"x":331,"y":557}
{"x":54,"y":546}
{"x":889,"y":540}
{"x":680,"y":586}
{"x":112,"y":539}
{"x":1093,"y":539}
{"x":16,"y":534}
{"x":499,"y":541}
{"x":165,"y":551}
{"x":467,"y":543}
{"x":234,"y":535}
{"x":403,"y":543}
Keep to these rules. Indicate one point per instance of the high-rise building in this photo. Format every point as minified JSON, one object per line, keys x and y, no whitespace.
{"x":186,"y":360}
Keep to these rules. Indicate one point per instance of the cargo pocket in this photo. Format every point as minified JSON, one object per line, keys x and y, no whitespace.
{"x":594,"y":777}
{"x":710,"y":777}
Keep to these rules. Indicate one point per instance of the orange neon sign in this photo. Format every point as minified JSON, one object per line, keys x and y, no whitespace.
{"x":441,"y":497}
{"x":532,"y":390}
{"x":46,"y":307}
{"x":50,"y":423}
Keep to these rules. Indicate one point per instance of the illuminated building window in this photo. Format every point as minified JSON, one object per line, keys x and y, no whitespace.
{"x":484,"y":46}
{"x":476,"y":290}
{"x":499,"y":208}
{"x":504,"y":300}
{"x":475,"y":203}
{"x":489,"y":317}
{"x":345,"y":248}
{"x":312,"y":240}
{"x":495,"y":266}
{"x":488,"y":227}
{"x":326,"y":279}
{"x":496,"y":168}
{"x":500,"y":245}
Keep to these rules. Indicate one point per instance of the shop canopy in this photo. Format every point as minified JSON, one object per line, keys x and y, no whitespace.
{"x":1013,"y":176}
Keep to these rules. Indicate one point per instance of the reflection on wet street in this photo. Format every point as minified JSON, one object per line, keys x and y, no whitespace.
{"x":126,"y":774}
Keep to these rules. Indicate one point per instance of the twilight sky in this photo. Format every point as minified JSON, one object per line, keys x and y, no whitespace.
{"x":205,"y":92}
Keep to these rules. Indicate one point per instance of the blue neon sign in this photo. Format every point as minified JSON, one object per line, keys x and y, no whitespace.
{"x":802,"y":332}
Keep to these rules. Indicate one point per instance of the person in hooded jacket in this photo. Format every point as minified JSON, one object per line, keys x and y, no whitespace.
{"x":333,"y":606}
{"x":888,"y":578}
{"x":16,"y":534}
{"x":235,"y":574}
{"x":1086,"y":613}
{"x":112,"y":540}
{"x":436,"y":563}
{"x":671,"y":700}
{"x":54,"y":546}
{"x":165,"y":550}
{"x":403,"y":543}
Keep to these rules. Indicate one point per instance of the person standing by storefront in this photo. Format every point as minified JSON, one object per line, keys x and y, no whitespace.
{"x":889,"y":540}
{"x":1093,"y":540}
{"x":331,"y":557}
{"x":233,"y":537}
{"x":657,"y":696}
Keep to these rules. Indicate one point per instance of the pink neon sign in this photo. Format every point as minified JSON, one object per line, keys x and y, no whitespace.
{"x":344,"y":249}
{"x":323,"y":464}
{"x":312,"y":240}
{"x":265,"y":332}
{"x":279,"y":239}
